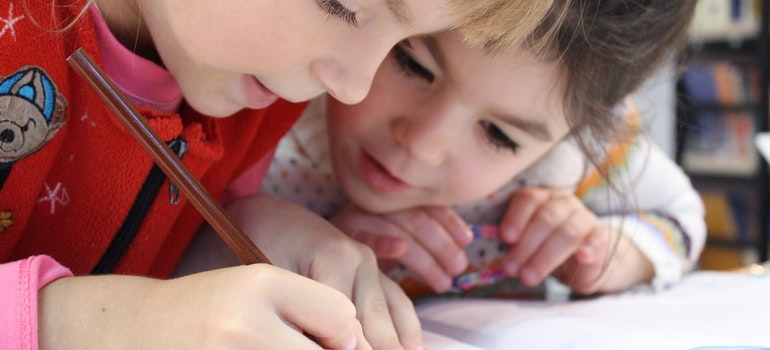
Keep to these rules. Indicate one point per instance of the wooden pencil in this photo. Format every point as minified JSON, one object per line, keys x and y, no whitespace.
{"x":176,"y":171}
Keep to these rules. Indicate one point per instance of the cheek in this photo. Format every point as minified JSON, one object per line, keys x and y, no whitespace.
{"x":478,"y":178}
{"x":342,"y":119}
{"x":367,"y":119}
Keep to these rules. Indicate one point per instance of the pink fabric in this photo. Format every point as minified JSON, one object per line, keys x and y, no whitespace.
{"x":144,"y":82}
{"x":19,"y":285}
{"x":248,"y":183}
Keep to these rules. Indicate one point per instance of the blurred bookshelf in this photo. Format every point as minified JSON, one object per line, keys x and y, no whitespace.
{"x":722,"y":104}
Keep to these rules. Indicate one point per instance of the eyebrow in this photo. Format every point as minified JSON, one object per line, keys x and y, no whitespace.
{"x":536,"y":129}
{"x":435,"y":50}
{"x":400,"y":12}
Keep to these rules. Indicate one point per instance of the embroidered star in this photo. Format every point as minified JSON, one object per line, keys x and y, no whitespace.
{"x":9,"y":23}
{"x":85,"y":118}
{"x":55,"y":196}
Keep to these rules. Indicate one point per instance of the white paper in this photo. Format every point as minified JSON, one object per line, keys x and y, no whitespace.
{"x":705,"y":309}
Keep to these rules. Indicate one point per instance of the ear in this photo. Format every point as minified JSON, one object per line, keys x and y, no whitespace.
{"x":57,"y":117}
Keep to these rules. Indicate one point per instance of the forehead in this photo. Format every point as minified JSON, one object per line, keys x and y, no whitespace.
{"x":514,"y":80}
{"x":422,"y":16}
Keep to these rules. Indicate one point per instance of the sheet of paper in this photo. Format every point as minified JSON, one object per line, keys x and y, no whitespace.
{"x":705,"y":309}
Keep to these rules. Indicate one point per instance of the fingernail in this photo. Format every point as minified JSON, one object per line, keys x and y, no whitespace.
{"x":458,"y":264}
{"x":588,"y":253}
{"x":528,"y":276}
{"x":444,"y":284}
{"x":350,"y":343}
{"x":511,"y":268}
{"x":510,"y":235}
{"x":468,"y":235}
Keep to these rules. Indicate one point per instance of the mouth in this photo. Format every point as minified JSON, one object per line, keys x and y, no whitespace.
{"x":379,"y":177}
{"x":257,"y":95}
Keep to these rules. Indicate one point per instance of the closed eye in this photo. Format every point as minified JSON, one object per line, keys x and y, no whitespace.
{"x":409,"y":66}
{"x":335,"y":9}
{"x":497,"y":137}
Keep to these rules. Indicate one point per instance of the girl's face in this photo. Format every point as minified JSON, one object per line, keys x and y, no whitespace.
{"x":445,"y":124}
{"x":235,"y":54}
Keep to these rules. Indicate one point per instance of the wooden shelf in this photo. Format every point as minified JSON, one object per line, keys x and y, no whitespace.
{"x":743,"y":47}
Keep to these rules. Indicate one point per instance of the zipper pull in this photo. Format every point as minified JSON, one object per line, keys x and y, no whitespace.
{"x":179,"y":146}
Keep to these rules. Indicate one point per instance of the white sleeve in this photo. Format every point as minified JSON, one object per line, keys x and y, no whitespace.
{"x":667,"y":214}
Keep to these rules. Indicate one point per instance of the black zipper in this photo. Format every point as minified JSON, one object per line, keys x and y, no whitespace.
{"x":135,"y":217}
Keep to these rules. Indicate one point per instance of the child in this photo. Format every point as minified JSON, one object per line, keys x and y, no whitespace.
{"x":77,"y":188}
{"x":446,"y":124}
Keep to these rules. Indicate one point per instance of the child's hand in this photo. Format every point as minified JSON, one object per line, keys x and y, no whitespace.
{"x":296,"y":239}
{"x":244,"y":307}
{"x":555,"y":233}
{"x":428,"y":241}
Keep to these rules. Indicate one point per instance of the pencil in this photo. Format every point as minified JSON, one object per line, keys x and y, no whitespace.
{"x":176,"y":171}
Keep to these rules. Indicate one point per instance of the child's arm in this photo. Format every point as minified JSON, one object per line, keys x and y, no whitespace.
{"x":666,"y":219}
{"x":245,"y":307}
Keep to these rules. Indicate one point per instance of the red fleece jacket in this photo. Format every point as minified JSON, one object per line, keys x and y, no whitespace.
{"x":70,"y":171}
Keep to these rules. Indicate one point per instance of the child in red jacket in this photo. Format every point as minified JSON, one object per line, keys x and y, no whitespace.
{"x":76,"y":190}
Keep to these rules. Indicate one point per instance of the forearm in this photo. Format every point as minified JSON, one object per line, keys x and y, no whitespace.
{"x":92,"y":312}
{"x":663,"y":218}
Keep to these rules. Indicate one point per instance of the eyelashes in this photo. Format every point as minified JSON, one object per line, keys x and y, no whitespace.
{"x":409,"y":66}
{"x":412,"y":68}
{"x":335,"y":9}
{"x":497,"y":137}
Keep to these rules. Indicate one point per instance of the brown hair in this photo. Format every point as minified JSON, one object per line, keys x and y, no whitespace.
{"x":607,"y":48}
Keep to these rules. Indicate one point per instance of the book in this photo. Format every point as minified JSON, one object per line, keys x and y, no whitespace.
{"x":721,"y":83}
{"x":720,"y":143}
{"x":724,"y":20}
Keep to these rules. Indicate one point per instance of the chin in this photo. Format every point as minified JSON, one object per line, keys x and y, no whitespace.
{"x":369,"y":200}
{"x":379,"y":205}
{"x":213,"y":110}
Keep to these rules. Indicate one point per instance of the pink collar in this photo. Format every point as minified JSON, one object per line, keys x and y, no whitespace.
{"x":143,"y":81}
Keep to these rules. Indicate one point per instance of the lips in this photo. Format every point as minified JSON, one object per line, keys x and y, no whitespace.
{"x":379,"y":177}
{"x":257,"y":96}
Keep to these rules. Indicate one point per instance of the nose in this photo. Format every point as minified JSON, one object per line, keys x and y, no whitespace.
{"x":7,"y":136}
{"x":348,"y":75}
{"x":429,"y":135}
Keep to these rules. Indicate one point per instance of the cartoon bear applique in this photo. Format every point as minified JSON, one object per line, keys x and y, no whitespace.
{"x":31,"y":112}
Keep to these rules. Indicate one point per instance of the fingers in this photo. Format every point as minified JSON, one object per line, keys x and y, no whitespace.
{"x":547,"y":214}
{"x":435,"y":237}
{"x":522,"y":206}
{"x":355,"y":273}
{"x":568,"y":240}
{"x":547,"y":231}
{"x":329,"y":316}
{"x":403,"y":315}
{"x":374,"y":308}
{"x":423,"y":264}
{"x":384,"y":246}
{"x":454,"y":225}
